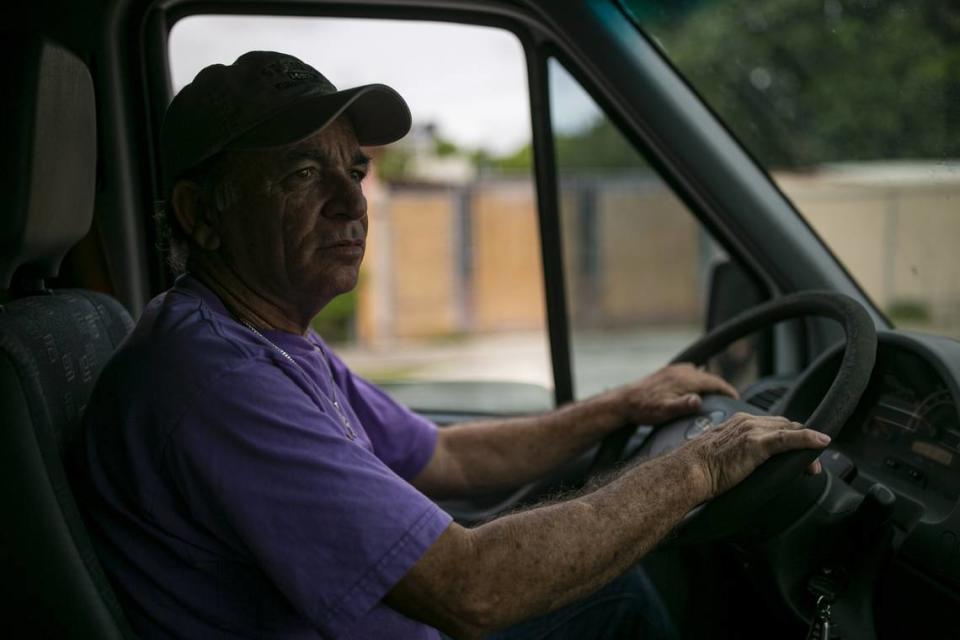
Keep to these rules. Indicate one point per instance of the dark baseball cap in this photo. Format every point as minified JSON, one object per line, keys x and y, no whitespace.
{"x":268,"y":99}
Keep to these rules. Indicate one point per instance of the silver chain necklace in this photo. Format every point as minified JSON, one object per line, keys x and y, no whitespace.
{"x":336,"y":405}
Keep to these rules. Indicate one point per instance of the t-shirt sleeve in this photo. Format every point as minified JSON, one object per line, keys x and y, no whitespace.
{"x":330,"y":524}
{"x":404,"y":440}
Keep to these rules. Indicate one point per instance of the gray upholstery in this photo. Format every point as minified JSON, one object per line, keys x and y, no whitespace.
{"x":48,"y":161}
{"x":52,"y":348}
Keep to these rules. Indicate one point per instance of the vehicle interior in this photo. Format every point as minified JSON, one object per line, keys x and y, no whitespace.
{"x":656,"y":203}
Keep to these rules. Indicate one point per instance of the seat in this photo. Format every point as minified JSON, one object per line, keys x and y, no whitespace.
{"x":53,"y":345}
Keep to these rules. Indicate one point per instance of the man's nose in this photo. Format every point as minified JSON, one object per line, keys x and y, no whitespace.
{"x":348,"y":200}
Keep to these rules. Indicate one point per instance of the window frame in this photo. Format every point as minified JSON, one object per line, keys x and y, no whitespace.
{"x":540,"y":43}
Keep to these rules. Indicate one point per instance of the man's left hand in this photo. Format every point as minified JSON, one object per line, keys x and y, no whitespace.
{"x":669,"y":393}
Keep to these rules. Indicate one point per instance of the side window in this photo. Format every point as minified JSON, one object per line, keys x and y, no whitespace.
{"x":449,"y":311}
{"x":637,"y":263}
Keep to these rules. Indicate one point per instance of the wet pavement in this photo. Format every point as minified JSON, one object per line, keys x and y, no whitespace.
{"x":601,"y":359}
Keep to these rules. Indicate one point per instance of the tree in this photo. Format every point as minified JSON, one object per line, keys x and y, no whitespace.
{"x":801,"y":82}
{"x":599,"y":145}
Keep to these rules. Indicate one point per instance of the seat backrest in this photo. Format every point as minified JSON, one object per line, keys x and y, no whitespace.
{"x":52,"y":347}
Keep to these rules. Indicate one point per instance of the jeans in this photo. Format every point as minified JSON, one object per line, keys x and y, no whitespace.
{"x":629,"y":607}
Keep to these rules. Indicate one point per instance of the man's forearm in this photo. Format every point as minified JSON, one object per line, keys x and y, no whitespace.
{"x":576,"y":547}
{"x":532,"y":562}
{"x":503,"y":454}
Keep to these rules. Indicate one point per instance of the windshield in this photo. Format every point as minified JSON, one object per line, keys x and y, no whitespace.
{"x":854,"y":109}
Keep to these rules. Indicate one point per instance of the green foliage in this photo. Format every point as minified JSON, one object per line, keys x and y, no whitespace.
{"x":519,"y":160}
{"x":799,"y":82}
{"x":909,"y":311}
{"x":598,"y":146}
{"x":803,"y":82}
{"x":481,"y":158}
{"x":335,"y":323}
{"x":392,"y":165}
{"x":443,"y":147}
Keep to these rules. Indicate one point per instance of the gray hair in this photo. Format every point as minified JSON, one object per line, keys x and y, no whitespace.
{"x":217,"y":190}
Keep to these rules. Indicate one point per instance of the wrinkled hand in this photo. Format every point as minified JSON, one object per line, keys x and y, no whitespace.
{"x":729,"y":452}
{"x":669,"y":393}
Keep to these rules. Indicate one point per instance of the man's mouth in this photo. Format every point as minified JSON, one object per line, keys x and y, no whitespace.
{"x":346,"y":247}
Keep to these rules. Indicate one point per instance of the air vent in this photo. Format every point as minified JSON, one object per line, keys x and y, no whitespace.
{"x":767,"y":397}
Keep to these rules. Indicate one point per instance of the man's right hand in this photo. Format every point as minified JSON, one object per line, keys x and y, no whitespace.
{"x":731,"y":451}
{"x":473,"y":581}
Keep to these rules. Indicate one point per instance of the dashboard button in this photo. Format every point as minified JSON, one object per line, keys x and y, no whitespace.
{"x":948,"y":541}
{"x":838,"y":464}
{"x":700,"y":424}
{"x":891,"y":463}
{"x":917,"y":476}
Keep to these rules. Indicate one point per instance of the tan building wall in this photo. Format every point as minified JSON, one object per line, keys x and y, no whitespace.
{"x":507,"y":272}
{"x":649,"y":252}
{"x":899,"y":239}
{"x":373,"y":312}
{"x":646,"y":255}
{"x":925,"y":264}
{"x":581,"y":295}
{"x":898,"y":236}
{"x":418,"y":262}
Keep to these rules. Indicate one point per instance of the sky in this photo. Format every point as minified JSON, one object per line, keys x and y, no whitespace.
{"x":469,"y":81}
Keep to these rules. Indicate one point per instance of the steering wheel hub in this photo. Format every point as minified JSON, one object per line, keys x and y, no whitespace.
{"x":703,"y":423}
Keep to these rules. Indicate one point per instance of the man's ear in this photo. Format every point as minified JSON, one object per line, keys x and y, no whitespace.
{"x":191,"y":212}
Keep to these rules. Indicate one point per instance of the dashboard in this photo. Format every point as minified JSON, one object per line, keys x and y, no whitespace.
{"x":907,"y":427}
{"x":905,"y":434}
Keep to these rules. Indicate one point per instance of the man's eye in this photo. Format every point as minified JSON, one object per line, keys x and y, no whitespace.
{"x":358,"y":175}
{"x":305,"y":173}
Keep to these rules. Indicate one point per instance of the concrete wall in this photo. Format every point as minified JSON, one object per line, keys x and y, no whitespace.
{"x":442,"y":261}
{"x":633,"y":253}
{"x":506,"y":267}
{"x":896,"y":228}
{"x":447,"y":260}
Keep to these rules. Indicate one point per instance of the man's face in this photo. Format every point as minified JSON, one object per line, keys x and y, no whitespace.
{"x":297,"y":230}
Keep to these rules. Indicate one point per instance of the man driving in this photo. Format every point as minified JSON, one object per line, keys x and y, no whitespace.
{"x":241,"y":481}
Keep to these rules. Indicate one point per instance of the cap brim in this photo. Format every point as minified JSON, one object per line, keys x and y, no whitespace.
{"x":378,"y":113}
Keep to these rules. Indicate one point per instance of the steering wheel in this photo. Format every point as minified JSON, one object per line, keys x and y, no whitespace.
{"x":727,"y":513}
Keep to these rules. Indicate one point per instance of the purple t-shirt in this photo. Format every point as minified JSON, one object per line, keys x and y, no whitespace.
{"x":225,"y":494}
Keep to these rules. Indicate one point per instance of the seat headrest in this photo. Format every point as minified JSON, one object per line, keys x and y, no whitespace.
{"x":48,"y":157}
